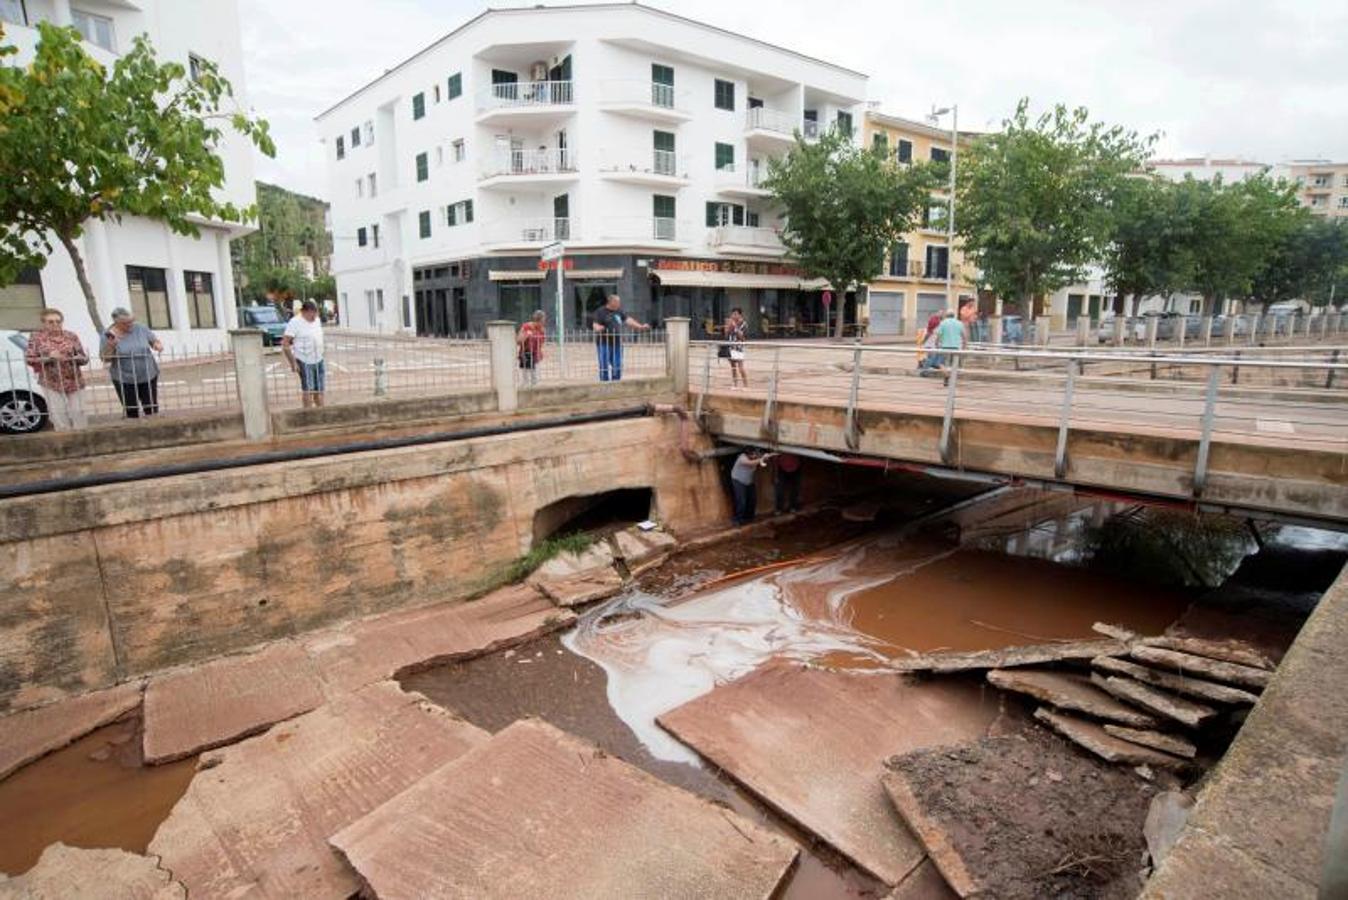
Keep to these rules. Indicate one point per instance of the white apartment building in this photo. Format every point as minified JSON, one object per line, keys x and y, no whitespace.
{"x":635,"y":137}
{"x":1206,"y":168}
{"x":181,"y":287}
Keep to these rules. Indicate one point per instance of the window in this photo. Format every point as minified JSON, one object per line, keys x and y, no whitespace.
{"x":663,"y":210}
{"x":196,"y":66}
{"x":369,"y":132}
{"x":452,"y":214}
{"x":468,"y":210}
{"x":518,"y":300}
{"x":662,"y":85}
{"x":13,"y":11}
{"x":149,"y":296}
{"x":374,"y":235}
{"x":904,"y":152}
{"x":360,"y":187}
{"x":1343,"y":203}
{"x":725,"y":156}
{"x":437,"y":93}
{"x":898,"y":260}
{"x":724,"y":214}
{"x":200,"y":299}
{"x":361,"y":239}
{"x":751,"y":219}
{"x":1320,"y":181}
{"x":424,"y":223}
{"x":22,"y":301}
{"x":665,"y":159}
{"x":379,"y":298}
{"x":939,"y":155}
{"x":455,"y":86}
{"x":418,"y":106}
{"x":97,"y":30}
{"x":459,"y":212}
{"x":935,"y":219}
{"x":937,"y":259}
{"x":423,"y":167}
{"x":407,"y":310}
{"x":369,"y":307}
{"x":844,"y":122}
{"x":341,"y":147}
{"x":374,"y":184}
{"x":880,"y":143}
{"x":725,"y":94}
{"x":459,"y":150}
{"x":355,"y":136}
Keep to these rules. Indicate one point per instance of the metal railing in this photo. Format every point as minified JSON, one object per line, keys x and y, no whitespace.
{"x":730,"y":176}
{"x":544,"y":161}
{"x":643,"y":228}
{"x":746,"y":236}
{"x":531,"y":230}
{"x":637,"y":91}
{"x":762,"y":118}
{"x":644,"y":162}
{"x":1300,"y":403}
{"x":588,"y":357}
{"x":525,"y":94}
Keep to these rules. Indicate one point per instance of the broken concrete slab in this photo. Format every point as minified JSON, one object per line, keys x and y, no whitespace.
{"x":1157,"y":740}
{"x":372,"y":650}
{"x":1186,"y":712}
{"x":256,"y":818}
{"x":1030,"y":655}
{"x":1065,"y":690}
{"x":637,"y":548}
{"x":1180,"y":684}
{"x":923,"y":883}
{"x":1205,"y":866}
{"x":31,"y":734}
{"x":577,"y":590}
{"x":1093,"y":737}
{"x":811,"y":744}
{"x":1165,"y":821}
{"x":1117,"y":632}
{"x":598,"y":555}
{"x":1216,"y":670}
{"x":536,"y":812}
{"x":1226,"y":651}
{"x":65,"y":873}
{"x":194,"y":709}
{"x":938,"y":843}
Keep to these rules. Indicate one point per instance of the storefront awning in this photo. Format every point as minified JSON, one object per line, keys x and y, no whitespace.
{"x":516,"y":274}
{"x":681,"y":278}
{"x":815,"y":284}
{"x":594,"y":274}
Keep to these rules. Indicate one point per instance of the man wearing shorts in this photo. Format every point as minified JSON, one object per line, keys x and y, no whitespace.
{"x":302,"y":345}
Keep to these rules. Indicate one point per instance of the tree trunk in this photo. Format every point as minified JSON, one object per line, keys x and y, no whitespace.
{"x":78,"y":261}
{"x":840,"y":313}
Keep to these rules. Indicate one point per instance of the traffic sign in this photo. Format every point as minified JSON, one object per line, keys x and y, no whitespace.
{"x":551,"y":251}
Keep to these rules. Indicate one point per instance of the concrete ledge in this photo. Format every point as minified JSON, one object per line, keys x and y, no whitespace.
{"x":1259,"y":826}
{"x":124,"y":437}
{"x":550,"y":396}
{"x":378,"y":413}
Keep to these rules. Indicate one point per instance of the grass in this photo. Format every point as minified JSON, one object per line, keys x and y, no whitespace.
{"x":545,"y":550}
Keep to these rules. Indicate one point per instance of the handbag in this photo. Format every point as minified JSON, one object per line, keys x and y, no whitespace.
{"x":723,"y":351}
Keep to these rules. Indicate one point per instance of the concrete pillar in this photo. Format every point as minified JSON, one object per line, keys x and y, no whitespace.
{"x":1206,"y":333}
{"x":1042,"y":326}
{"x":676,"y":352}
{"x":1083,"y":331}
{"x":1152,"y":323}
{"x":250,"y":376}
{"x":1254,"y":328}
{"x":501,"y":338}
{"x":1181,"y":331}
{"x":996,"y":330}
{"x":1120,"y":329}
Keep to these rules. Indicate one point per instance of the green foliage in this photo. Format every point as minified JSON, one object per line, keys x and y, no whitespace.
{"x":290,"y":225}
{"x":1170,"y":548}
{"x":1147,"y":250}
{"x":1034,"y":199}
{"x":79,"y":142}
{"x":545,"y":550}
{"x":845,"y":206}
{"x":1305,"y":261}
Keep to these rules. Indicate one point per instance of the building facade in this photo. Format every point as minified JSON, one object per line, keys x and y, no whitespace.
{"x":1322,"y":185}
{"x":912,"y":284}
{"x":182,"y":287}
{"x":1206,"y":168}
{"x":636,"y":138}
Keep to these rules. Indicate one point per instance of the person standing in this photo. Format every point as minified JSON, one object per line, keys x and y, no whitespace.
{"x":533,"y":335}
{"x":786,"y":484}
{"x":736,"y":333}
{"x":926,"y":340}
{"x":128,"y":348}
{"x":742,"y":483}
{"x":607,"y":324}
{"x":56,"y":355}
{"x":302,"y":345}
{"x":950,"y":336}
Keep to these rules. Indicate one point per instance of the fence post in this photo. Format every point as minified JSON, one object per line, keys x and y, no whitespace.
{"x":1120,"y":328}
{"x":995,"y":330}
{"x":1205,"y":438}
{"x":250,"y":376}
{"x":1042,"y":324}
{"x":768,"y":427}
{"x":1083,"y":331}
{"x":1060,"y":455}
{"x":501,"y":339}
{"x":948,"y":420}
{"x":1206,"y":333}
{"x":850,"y":430}
{"x":1254,"y":329}
{"x":676,"y":353}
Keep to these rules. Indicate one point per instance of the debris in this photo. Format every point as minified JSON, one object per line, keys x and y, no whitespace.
{"x":1165,"y":819}
{"x":1068,"y":691}
{"x":578,"y":589}
{"x":1186,"y":712}
{"x":1226,"y":651}
{"x":1157,"y":740}
{"x":1231,"y":673}
{"x":1094,"y":738}
{"x":1180,"y":684}
{"x":74,"y":872}
{"x":31,"y":734}
{"x":1029,"y":655}
{"x":536,"y":812}
{"x":1117,"y":632}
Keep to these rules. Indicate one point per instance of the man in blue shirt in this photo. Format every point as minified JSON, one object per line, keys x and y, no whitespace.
{"x":607,"y":324}
{"x":949,"y":336}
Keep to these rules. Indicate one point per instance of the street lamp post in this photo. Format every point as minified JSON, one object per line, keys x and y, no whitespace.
{"x":954,"y":111}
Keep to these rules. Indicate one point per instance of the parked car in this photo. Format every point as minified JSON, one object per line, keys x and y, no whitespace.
{"x":23,"y":406}
{"x":267,"y":320}
{"x":1239,"y":326}
{"x":1134,"y":330}
{"x":1013,"y":330}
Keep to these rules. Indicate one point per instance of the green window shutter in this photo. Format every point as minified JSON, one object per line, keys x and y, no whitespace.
{"x":468,"y":210}
{"x":662,"y":206}
{"x":737,"y":214}
{"x":725,"y":156}
{"x":725,"y":94}
{"x":712,"y":214}
{"x":424,"y":223}
{"x":664,"y":140}
{"x":418,"y":106}
{"x":451,"y":214}
{"x":662,"y":74}
{"x":423,"y":167}
{"x":455,"y":85}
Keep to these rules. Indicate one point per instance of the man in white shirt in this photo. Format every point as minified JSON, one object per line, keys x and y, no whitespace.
{"x":302,"y":345}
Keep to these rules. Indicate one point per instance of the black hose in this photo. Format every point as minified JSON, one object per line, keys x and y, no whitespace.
{"x":53,"y":485}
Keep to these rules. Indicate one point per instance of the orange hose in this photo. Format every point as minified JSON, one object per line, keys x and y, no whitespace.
{"x":770,"y":566}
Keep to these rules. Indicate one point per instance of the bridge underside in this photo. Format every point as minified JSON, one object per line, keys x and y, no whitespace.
{"x":1276,"y":476}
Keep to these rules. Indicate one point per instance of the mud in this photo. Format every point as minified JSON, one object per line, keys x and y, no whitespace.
{"x":94,"y":793}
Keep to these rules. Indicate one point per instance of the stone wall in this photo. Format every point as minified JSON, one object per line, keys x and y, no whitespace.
{"x":101,"y":584}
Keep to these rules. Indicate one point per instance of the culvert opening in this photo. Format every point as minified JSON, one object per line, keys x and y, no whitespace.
{"x":593,"y":513}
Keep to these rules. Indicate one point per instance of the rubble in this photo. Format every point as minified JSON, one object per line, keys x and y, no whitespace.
{"x":70,"y":872}
{"x":1094,"y":738}
{"x":1226,"y":651}
{"x":1215,"y":670}
{"x":1180,"y":684}
{"x":1030,"y":655}
{"x":1157,"y":740}
{"x":1165,"y":820}
{"x":1070,"y":692}
{"x":1183,"y":711}
{"x":33,"y":733}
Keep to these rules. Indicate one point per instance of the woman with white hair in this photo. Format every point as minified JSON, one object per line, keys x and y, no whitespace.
{"x":132,"y":367}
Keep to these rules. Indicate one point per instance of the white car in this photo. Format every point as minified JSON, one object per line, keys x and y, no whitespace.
{"x":23,"y":405}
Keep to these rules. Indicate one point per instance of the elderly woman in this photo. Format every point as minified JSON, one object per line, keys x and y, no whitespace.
{"x":56,"y":355}
{"x":134,"y":371}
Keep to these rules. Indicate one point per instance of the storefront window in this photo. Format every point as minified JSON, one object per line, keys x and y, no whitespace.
{"x":589,"y":296}
{"x":517,"y":302}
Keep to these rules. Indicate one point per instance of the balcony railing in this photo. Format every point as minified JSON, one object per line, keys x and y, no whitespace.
{"x":732,"y":177}
{"x":745,"y":236}
{"x":644,"y":162}
{"x":810,"y":130}
{"x":545,"y":161}
{"x":761,"y":118}
{"x":534,"y":230}
{"x":643,"y":229}
{"x":526,"y":94}
{"x":637,"y":92}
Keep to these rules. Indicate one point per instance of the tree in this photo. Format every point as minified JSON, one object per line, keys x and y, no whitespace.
{"x":1306,"y":259}
{"x":845,"y":206}
{"x":1147,"y":252}
{"x":1034,"y":199}
{"x":82,"y":143}
{"x":289,"y":225}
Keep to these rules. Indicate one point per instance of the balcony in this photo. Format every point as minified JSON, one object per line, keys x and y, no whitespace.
{"x":746,"y":239}
{"x":740,"y":182}
{"x":641,"y":99}
{"x":525,"y":101}
{"x":645,"y":231}
{"x":520,"y":168}
{"x":529,"y":232}
{"x":654,"y":168}
{"x":772,"y":129}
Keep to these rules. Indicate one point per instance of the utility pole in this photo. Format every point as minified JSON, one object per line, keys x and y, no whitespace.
{"x":935,"y":115}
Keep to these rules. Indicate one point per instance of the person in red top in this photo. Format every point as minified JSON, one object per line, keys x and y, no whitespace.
{"x":533,"y":335}
{"x":786,"y":484}
{"x":56,"y":355}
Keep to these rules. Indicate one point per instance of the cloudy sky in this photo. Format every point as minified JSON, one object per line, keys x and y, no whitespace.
{"x":1263,"y":78}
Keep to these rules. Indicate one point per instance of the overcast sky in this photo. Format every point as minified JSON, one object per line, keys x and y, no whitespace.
{"x":1265,"y":79}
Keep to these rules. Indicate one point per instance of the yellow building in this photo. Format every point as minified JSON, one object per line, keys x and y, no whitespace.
{"x":1322,"y":186}
{"x":912,"y":285}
